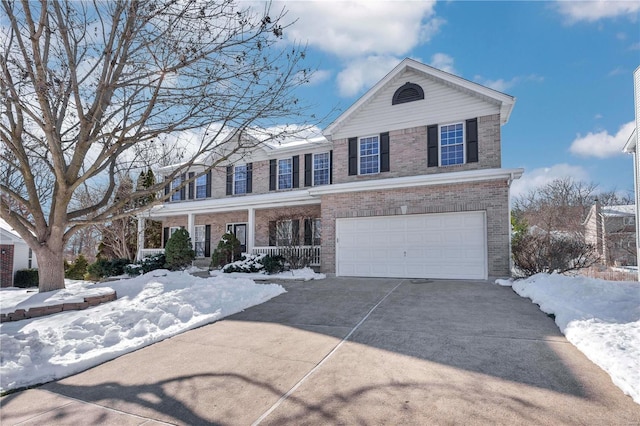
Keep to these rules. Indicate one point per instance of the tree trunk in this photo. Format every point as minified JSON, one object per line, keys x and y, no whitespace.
{"x":50,"y":269}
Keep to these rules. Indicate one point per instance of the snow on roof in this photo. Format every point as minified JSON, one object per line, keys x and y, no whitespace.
{"x":9,"y":230}
{"x":619,"y":211}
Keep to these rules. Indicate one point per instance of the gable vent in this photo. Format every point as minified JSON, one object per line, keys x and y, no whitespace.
{"x":408,"y":92}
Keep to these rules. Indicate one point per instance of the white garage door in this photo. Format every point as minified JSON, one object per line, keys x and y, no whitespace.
{"x":450,"y":245}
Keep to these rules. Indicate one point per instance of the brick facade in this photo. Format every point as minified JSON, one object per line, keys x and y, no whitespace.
{"x":490,"y":197}
{"x":6,"y":265}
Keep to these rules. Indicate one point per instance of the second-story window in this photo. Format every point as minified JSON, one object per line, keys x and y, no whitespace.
{"x":240,"y":179}
{"x":201,"y":187}
{"x":369,"y":155}
{"x":451,"y":144}
{"x":285,"y":174}
{"x":321,"y":169}
{"x":176,"y":196}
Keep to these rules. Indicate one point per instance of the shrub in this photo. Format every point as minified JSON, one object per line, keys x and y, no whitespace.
{"x":149,"y":263}
{"x":273,"y":264}
{"x":541,"y":252}
{"x":26,"y":278}
{"x":227,"y":251}
{"x":256,"y":263}
{"x":248,"y":264}
{"x":77,"y":269}
{"x":107,"y":268}
{"x":178,"y":251}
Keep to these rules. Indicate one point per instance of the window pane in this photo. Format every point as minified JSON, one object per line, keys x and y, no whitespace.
{"x":240,"y":179}
{"x":285,"y":180}
{"x":369,"y":155}
{"x":175,"y":184}
{"x":321,"y":169}
{"x":198,"y":241}
{"x":284,"y":233}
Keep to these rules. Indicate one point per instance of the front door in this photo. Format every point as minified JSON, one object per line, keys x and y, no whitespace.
{"x":240,"y":231}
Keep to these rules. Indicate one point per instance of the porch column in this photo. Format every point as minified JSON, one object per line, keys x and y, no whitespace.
{"x":141,"y":226}
{"x":191,"y":227}
{"x":251,"y":229}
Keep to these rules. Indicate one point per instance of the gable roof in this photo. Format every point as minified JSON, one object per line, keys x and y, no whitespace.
{"x":505,"y":101}
{"x":8,"y":234}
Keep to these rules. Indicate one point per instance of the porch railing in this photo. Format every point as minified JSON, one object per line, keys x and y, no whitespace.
{"x":145,"y":252}
{"x":310,"y":252}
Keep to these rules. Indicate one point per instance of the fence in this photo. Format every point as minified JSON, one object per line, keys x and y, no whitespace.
{"x":308,"y":252}
{"x":609,"y":274}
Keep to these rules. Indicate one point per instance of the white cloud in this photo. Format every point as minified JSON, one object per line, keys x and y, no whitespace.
{"x":635,"y":46}
{"x":364,"y":73}
{"x":362,"y":28}
{"x":536,"y":178}
{"x":319,"y":76}
{"x":501,"y":85}
{"x":443,"y":62}
{"x":602,"y":144}
{"x":617,"y":71}
{"x":598,"y":116}
{"x":591,"y":11}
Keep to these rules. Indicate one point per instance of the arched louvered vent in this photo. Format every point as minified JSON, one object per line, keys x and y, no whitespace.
{"x":408,"y":92}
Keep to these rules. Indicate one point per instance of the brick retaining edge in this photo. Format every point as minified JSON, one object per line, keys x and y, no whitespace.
{"x":40,"y":311}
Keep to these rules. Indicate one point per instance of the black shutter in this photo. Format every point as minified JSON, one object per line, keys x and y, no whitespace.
{"x":295,"y":232}
{"x":331,"y":167}
{"x":249,"y":178}
{"x":191,"y":194}
{"x":183,"y":189}
{"x":353,"y":156}
{"x":308,"y":169}
{"x":296,"y":171}
{"x":273,"y":174}
{"x":165,"y":236}
{"x":272,"y":233}
{"x":208,"y":194}
{"x":207,"y":241}
{"x":229,"y":180}
{"x":167,"y":187}
{"x":308,"y":232}
{"x":472,"y":140}
{"x":384,"y":152}
{"x":432,"y":146}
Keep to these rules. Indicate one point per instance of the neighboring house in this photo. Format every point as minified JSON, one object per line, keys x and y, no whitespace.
{"x":407,"y":182}
{"x":15,"y":254}
{"x":612,"y":231}
{"x":631,"y":147}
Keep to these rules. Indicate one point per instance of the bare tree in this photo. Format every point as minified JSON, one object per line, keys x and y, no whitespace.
{"x":296,"y":234}
{"x":93,"y":90}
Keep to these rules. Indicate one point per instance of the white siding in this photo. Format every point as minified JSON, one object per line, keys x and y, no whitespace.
{"x":441,"y":104}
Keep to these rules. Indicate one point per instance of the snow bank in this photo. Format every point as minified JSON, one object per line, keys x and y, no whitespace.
{"x":304,"y":274}
{"x":601,"y":318}
{"x":149,"y":308}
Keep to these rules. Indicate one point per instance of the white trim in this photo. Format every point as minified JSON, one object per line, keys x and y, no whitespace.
{"x":422,"y":180}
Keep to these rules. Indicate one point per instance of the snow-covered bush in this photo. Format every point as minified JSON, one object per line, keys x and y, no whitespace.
{"x":102,"y":268}
{"x":178,"y":251}
{"x":256,"y":263}
{"x":249,"y":263}
{"x":149,"y":263}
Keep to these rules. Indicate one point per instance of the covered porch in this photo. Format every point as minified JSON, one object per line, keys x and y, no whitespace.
{"x":285,"y":223}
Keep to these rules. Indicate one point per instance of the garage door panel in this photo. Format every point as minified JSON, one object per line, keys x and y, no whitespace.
{"x":451,"y":245}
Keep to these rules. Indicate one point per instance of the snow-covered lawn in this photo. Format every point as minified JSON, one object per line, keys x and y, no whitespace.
{"x":304,"y":274}
{"x":601,"y":318}
{"x":149,"y":308}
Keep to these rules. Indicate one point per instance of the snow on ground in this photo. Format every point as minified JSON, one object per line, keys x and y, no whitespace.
{"x":304,"y":274}
{"x":601,"y":318}
{"x":149,"y":308}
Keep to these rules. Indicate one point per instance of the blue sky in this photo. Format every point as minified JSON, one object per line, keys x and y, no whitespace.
{"x":569,"y":64}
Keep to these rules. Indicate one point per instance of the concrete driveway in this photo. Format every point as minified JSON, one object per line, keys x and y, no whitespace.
{"x":348,"y":351}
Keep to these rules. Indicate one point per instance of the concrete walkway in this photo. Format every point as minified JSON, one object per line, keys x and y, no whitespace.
{"x":347,"y":351}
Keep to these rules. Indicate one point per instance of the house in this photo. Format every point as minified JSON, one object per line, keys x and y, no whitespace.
{"x":612,"y":231}
{"x":15,"y":254}
{"x":407,"y":182}
{"x":631,"y":147}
